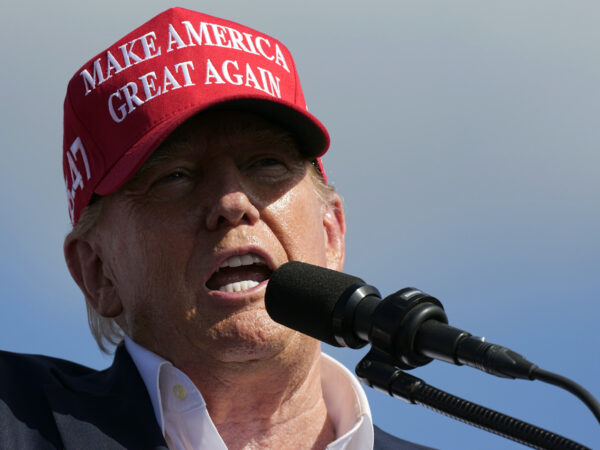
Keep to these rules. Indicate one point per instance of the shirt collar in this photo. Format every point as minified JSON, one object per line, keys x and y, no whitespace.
{"x":347,"y":406}
{"x":149,"y":366}
{"x":344,"y":397}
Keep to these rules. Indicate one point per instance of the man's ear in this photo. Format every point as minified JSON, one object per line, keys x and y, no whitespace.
{"x":334,"y":224}
{"x":87,"y":268}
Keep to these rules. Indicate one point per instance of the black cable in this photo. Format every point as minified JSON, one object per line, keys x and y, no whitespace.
{"x":557,"y":380}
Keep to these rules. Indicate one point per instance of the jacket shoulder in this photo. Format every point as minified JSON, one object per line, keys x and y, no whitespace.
{"x":36,"y":367}
{"x":387,"y":441}
{"x":26,"y":419}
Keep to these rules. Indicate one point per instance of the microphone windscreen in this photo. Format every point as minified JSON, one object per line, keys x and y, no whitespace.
{"x":302,"y":297}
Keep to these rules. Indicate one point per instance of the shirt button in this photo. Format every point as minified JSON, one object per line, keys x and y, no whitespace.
{"x":179,"y":392}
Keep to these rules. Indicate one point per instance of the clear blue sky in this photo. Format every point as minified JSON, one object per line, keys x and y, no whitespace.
{"x":465,"y":140}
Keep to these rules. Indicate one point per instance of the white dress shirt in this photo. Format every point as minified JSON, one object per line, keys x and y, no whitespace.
{"x":183,"y":418}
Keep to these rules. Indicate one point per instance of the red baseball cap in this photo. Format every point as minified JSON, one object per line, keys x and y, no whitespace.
{"x":127,"y":99}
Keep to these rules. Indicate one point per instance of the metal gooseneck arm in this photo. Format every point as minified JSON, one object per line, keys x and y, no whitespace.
{"x":376,"y":371}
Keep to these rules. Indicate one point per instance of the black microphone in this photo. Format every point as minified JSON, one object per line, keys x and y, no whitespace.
{"x":409,"y":326}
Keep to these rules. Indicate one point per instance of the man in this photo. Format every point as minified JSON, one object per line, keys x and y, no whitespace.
{"x":192,"y":171}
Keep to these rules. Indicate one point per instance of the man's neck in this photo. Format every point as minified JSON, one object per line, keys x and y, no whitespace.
{"x":263,"y":404}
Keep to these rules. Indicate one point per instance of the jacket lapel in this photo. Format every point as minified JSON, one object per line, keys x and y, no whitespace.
{"x":105,"y":410}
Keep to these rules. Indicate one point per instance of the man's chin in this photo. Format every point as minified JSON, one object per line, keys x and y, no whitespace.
{"x":251,"y":336}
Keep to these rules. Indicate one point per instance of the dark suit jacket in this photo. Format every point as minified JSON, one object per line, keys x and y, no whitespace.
{"x":49,"y":403}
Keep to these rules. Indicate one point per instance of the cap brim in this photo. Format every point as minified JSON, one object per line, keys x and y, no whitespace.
{"x":311,"y":134}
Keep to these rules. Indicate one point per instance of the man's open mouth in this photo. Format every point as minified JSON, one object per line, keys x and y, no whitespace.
{"x":239,"y":273}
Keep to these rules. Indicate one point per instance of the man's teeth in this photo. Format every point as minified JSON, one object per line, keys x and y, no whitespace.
{"x":243,"y":260}
{"x":239,"y":286}
{"x":238,"y":261}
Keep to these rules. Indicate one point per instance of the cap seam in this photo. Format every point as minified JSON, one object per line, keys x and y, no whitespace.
{"x":296,"y":80}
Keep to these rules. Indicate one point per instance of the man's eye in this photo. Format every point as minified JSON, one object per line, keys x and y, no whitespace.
{"x":175,"y":175}
{"x":266,"y":162}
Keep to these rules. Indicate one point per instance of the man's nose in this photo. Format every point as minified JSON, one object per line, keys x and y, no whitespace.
{"x":230,"y":204}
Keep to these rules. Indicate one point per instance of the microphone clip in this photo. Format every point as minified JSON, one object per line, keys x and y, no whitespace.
{"x":391,"y":325}
{"x":397,"y":322}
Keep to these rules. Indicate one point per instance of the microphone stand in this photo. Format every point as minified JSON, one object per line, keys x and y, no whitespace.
{"x":375,"y":370}
{"x":407,"y":329}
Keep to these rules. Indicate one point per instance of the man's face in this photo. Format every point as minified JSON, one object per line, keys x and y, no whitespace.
{"x":187,"y":245}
